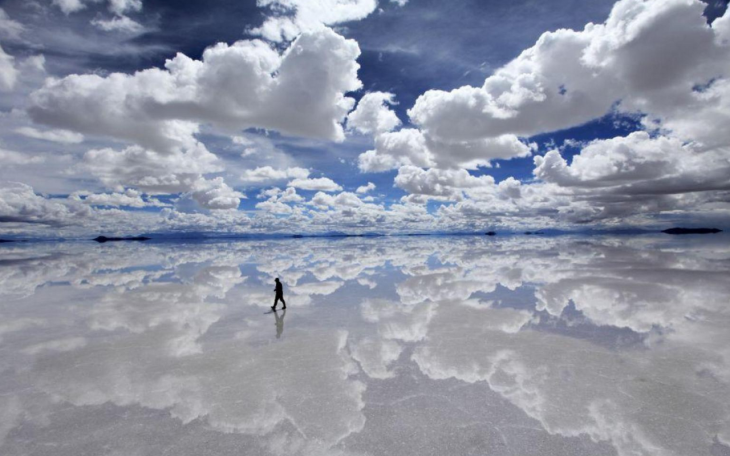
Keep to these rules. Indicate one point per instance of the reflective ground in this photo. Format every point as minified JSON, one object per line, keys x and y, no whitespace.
{"x":464,"y":345}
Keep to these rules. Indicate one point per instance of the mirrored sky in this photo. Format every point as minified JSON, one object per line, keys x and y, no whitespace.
{"x":419,"y":345}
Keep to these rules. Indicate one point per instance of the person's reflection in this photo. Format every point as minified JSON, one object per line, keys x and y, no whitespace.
{"x":279,"y":322}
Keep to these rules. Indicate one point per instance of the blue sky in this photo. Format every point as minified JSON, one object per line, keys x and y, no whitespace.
{"x":361,"y":116}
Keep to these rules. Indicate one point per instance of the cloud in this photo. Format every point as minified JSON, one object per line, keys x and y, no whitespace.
{"x":266,"y":174}
{"x":533,"y":362}
{"x":346,"y":201}
{"x":130,"y":198}
{"x":629,"y":175}
{"x":118,"y":7}
{"x":226,"y":221}
{"x":324,"y":184}
{"x":396,"y":321}
{"x":394,"y":149}
{"x":276,"y":199}
{"x":69,"y":6}
{"x":58,"y":136}
{"x":322,"y":200}
{"x":365,"y":188}
{"x":149,"y":171}
{"x":346,"y":211}
{"x":625,"y":65}
{"x":10,"y":157}
{"x":61,"y":345}
{"x":479,"y":153}
{"x":234,"y":87}
{"x":8,"y":72}
{"x":322,"y":288}
{"x":274,"y":207}
{"x":123,"y":6}
{"x":290,"y":18}
{"x":439,"y":184}
{"x":646,"y":57}
{"x":372,"y":114}
{"x":121,"y":24}
{"x":9,"y":28}
{"x":636,"y":163}
{"x":375,"y":355}
{"x":646,"y":287}
{"x":215,"y":194}
{"x":289,"y":195}
{"x":412,"y":147}
{"x":609,"y":182}
{"x":658,"y":62}
{"x":20,"y":204}
{"x":170,"y":320}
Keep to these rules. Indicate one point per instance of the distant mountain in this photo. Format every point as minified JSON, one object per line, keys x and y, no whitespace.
{"x":692,"y":231}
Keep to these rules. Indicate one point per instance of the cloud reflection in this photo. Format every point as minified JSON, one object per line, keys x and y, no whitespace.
{"x":179,"y":329}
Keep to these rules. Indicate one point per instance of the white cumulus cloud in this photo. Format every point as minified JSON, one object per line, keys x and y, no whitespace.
{"x":413,"y":147}
{"x":215,"y":194}
{"x":647,"y":57}
{"x":324,"y":184}
{"x":20,"y":204}
{"x":366,"y":188}
{"x":239,"y":86}
{"x":266,"y":174}
{"x":372,"y":114}
{"x":148,"y":170}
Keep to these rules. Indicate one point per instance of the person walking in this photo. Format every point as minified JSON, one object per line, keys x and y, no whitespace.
{"x":279,"y":289}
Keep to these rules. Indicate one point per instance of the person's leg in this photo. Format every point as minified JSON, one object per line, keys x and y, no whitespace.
{"x":276,"y":300}
{"x":283,"y":302}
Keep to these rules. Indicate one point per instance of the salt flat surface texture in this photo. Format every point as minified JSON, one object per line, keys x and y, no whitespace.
{"x":522,"y":345}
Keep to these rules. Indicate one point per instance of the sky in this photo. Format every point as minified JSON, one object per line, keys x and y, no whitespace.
{"x":362,"y":116}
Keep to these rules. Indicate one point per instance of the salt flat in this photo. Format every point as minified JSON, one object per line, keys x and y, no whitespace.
{"x":519,"y":345}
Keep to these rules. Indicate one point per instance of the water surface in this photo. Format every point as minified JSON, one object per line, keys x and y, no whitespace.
{"x":521,"y":345}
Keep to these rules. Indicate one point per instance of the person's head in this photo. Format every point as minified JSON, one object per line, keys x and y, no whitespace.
{"x":276,"y":279}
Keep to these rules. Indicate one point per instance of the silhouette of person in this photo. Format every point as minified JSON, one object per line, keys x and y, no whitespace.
{"x":279,"y":294}
{"x":280,"y":322}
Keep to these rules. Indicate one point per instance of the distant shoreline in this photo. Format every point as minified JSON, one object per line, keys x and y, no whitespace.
{"x":212,"y":237}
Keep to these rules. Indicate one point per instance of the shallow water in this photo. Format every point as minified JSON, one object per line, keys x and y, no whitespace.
{"x":390,"y":346}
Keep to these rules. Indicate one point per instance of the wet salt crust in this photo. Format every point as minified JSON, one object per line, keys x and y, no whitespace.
{"x":424,"y":345}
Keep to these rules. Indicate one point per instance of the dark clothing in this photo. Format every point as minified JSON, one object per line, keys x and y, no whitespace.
{"x":279,"y":295}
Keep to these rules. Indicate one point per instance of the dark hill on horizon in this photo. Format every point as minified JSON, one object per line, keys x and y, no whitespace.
{"x":692,"y":231}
